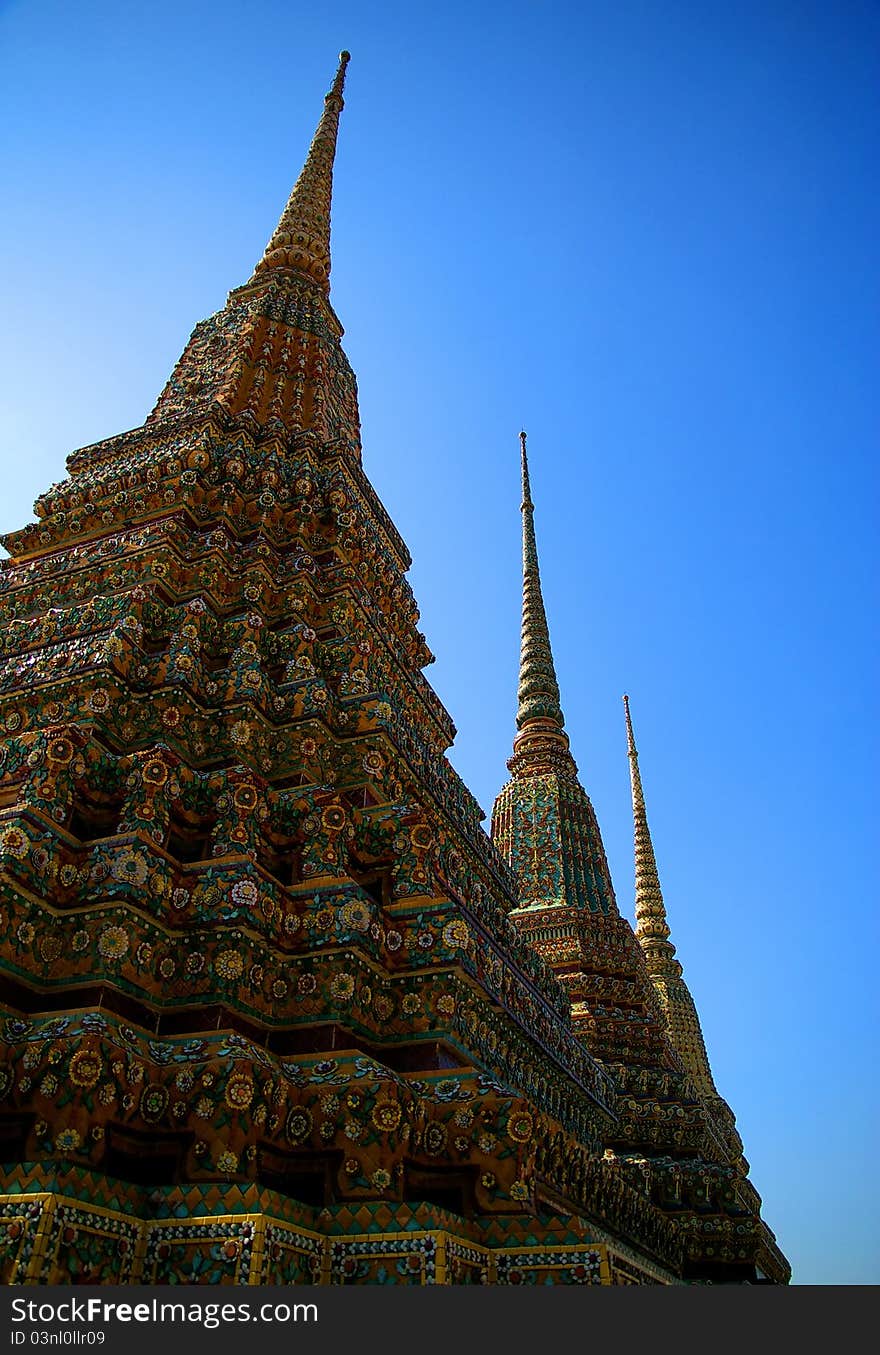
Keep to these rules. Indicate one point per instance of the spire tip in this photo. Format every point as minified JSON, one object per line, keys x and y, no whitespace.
{"x":538,"y":709}
{"x":630,"y":736}
{"x":300,"y":243}
{"x":524,"y":462}
{"x":339,"y":81}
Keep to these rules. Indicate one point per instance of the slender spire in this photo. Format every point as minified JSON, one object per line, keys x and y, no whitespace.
{"x":302,"y":237}
{"x":652,"y":933}
{"x":538,"y":688}
{"x":652,"y":928}
{"x":543,"y":821}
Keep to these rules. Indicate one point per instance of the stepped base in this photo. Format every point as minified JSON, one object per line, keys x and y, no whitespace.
{"x":229,"y":1235}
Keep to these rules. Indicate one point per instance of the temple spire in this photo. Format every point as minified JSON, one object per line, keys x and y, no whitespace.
{"x":543,"y":821}
{"x":652,"y":933}
{"x":538,"y":709}
{"x":301,"y":240}
{"x":652,"y":928}
{"x":272,"y":354}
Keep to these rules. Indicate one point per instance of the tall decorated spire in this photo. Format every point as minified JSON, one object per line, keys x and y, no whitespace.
{"x":273,"y":354}
{"x":215,"y":733}
{"x":543,"y":821}
{"x":301,"y":240}
{"x":652,"y":933}
{"x":652,"y":929}
{"x":628,"y":999}
{"x":539,"y":719}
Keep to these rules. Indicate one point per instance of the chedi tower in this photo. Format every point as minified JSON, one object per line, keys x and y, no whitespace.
{"x":674,"y":1138}
{"x":270,"y":1010}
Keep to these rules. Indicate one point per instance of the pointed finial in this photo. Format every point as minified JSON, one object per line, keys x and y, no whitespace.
{"x":652,"y":934}
{"x":339,"y":79}
{"x":652,"y":929}
{"x":538,"y":689}
{"x":524,"y":458}
{"x":301,"y":241}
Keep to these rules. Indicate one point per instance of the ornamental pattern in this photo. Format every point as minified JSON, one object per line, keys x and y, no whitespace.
{"x":269,"y":1011}
{"x":675,"y":1138}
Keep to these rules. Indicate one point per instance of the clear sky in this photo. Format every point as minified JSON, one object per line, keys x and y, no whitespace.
{"x":644,"y":231}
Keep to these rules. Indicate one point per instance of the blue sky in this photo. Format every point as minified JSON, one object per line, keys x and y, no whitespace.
{"x":645,"y":232}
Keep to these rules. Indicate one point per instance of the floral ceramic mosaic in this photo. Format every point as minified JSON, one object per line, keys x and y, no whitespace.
{"x":273,"y":1006}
